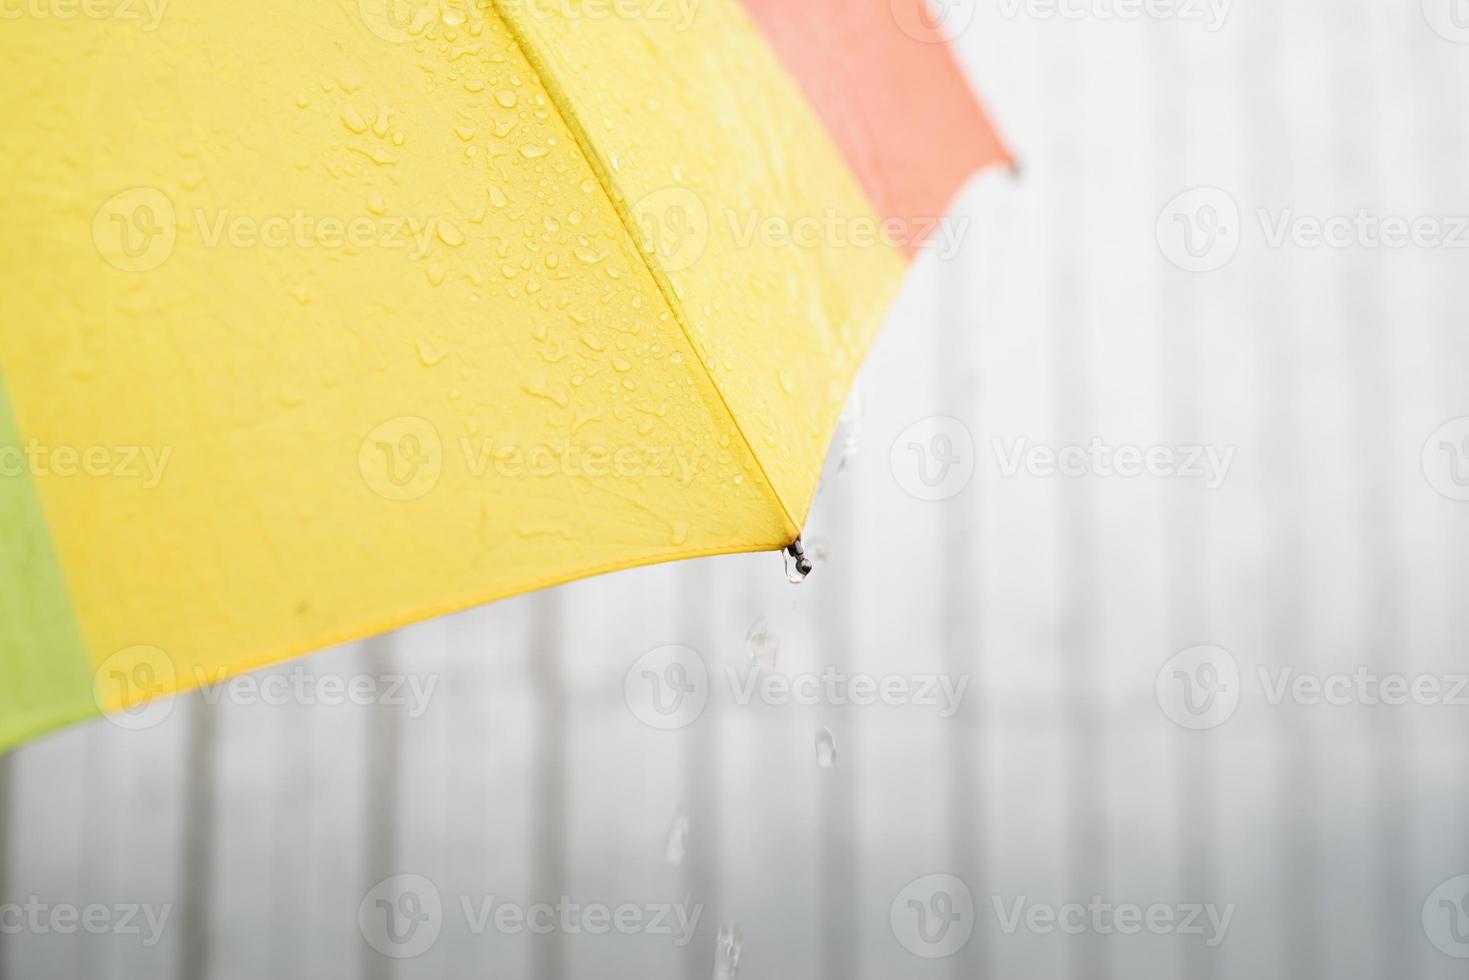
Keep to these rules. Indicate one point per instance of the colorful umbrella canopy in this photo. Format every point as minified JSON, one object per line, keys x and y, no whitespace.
{"x":331,"y":317}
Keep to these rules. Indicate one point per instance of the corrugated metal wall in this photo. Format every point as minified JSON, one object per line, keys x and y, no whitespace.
{"x":1328,"y":549}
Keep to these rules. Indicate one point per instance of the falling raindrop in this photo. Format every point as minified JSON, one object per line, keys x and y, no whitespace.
{"x":851,"y":432}
{"x":762,"y":646}
{"x":677,"y":847}
{"x":826,"y":749}
{"x":727,"y":950}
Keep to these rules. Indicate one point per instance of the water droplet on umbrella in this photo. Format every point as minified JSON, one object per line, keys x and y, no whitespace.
{"x":727,"y":950}
{"x":449,"y":234}
{"x":762,"y":646}
{"x":427,"y":356}
{"x":353,"y":120}
{"x":826,"y":749}
{"x":677,"y":847}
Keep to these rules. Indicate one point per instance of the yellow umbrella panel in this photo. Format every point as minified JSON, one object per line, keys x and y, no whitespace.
{"x":329,"y":317}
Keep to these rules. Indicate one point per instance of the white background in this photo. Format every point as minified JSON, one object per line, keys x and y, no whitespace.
{"x":1062,"y":320}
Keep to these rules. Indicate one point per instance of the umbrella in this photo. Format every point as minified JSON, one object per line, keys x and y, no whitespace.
{"x":332,"y":317}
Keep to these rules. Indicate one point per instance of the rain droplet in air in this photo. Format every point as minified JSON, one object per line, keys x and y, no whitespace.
{"x":851,"y":430}
{"x":762,"y":646}
{"x":677,"y":847}
{"x":826,"y":749}
{"x":727,"y":950}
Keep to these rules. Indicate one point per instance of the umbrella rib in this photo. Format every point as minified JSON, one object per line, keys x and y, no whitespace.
{"x":562,"y":103}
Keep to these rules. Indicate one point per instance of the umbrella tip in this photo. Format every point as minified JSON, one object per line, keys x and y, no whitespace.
{"x":798,"y":565}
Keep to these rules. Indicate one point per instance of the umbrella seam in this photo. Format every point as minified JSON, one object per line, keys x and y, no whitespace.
{"x":562,"y":103}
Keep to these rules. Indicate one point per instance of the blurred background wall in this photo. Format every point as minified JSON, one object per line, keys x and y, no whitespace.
{"x":1087,"y":763}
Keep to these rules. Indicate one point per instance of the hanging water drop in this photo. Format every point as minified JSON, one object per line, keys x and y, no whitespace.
{"x":677,"y":847}
{"x":798,"y":565}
